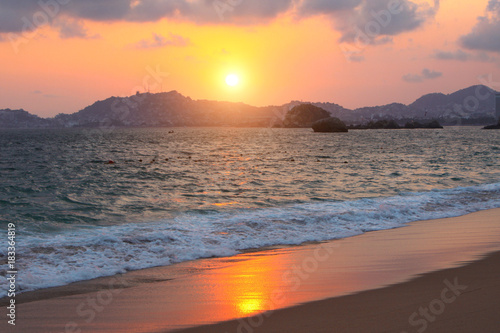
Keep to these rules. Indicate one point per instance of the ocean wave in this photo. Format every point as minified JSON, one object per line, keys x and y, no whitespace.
{"x":47,"y":260}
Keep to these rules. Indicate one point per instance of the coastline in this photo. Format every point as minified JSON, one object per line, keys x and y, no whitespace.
{"x":460,"y":300}
{"x":220,"y":289}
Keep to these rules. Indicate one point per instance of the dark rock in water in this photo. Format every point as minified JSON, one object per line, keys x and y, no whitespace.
{"x":392,"y":124}
{"x":304,"y":115}
{"x":329,"y":125}
{"x":433,"y":124}
{"x":380,"y":124}
{"x":497,"y":126}
{"x":383,"y":124}
{"x":416,"y":124}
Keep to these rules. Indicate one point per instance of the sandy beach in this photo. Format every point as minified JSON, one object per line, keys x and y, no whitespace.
{"x":459,"y":300}
{"x":380,"y":281}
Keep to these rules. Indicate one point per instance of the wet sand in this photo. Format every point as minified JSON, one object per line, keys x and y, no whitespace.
{"x":220,"y":289}
{"x":458,"y":300}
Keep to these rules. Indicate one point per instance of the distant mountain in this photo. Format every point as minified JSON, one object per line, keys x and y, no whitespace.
{"x":475,"y":105}
{"x":470,"y":106}
{"x":169,"y":109}
{"x":22,"y":119}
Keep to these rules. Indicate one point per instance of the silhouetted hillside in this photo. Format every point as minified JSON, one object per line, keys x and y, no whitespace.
{"x":470,"y":106}
{"x":22,"y":119}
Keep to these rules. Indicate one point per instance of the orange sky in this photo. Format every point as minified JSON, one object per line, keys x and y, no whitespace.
{"x":279,"y":58}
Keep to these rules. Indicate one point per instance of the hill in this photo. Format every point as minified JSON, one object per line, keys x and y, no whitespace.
{"x":470,"y":106}
{"x":22,"y":119}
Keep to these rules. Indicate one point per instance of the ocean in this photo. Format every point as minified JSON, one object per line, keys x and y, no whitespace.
{"x":96,"y":202}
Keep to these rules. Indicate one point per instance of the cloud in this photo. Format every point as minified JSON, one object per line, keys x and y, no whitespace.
{"x":371,"y":22}
{"x":71,"y":28}
{"x":315,"y":7}
{"x":457,"y":55}
{"x":485,"y":35}
{"x":485,"y":57}
{"x":356,"y":58}
{"x":383,"y":40}
{"x":460,"y":55}
{"x":360,"y":22}
{"x":426,"y":74}
{"x":97,"y":10}
{"x":27,"y":15}
{"x":160,"y":41}
{"x":16,"y":16}
{"x":237,"y":11}
{"x":413,"y":78}
{"x":41,"y":93}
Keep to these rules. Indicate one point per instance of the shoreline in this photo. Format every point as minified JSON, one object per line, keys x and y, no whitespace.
{"x":220,"y":289}
{"x":51,"y":259}
{"x":461,"y":300}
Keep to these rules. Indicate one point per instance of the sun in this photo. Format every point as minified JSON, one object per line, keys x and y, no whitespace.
{"x":232,"y":80}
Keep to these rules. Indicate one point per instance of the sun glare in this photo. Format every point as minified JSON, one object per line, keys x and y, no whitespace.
{"x":232,"y":80}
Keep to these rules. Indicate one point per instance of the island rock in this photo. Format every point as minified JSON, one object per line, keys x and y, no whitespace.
{"x":329,"y":125}
{"x":304,"y":115}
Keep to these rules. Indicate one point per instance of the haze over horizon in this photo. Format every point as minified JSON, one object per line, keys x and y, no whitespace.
{"x":64,"y":55}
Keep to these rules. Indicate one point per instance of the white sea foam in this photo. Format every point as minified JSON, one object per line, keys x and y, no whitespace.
{"x":79,"y":254}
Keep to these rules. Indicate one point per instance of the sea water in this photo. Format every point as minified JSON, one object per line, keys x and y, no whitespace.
{"x":95,"y":202}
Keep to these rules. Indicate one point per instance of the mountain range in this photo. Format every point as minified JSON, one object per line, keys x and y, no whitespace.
{"x":471,"y":106}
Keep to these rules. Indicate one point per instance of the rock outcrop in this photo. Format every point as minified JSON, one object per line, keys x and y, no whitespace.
{"x":329,"y":125}
{"x":304,"y":115}
{"x":497,"y":126}
{"x":416,"y":124}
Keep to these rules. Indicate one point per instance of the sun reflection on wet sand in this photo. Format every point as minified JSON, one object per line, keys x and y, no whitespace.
{"x":248,"y":285}
{"x":250,"y":304}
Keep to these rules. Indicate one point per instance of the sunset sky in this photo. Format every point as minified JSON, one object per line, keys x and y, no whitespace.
{"x":58,"y":56}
